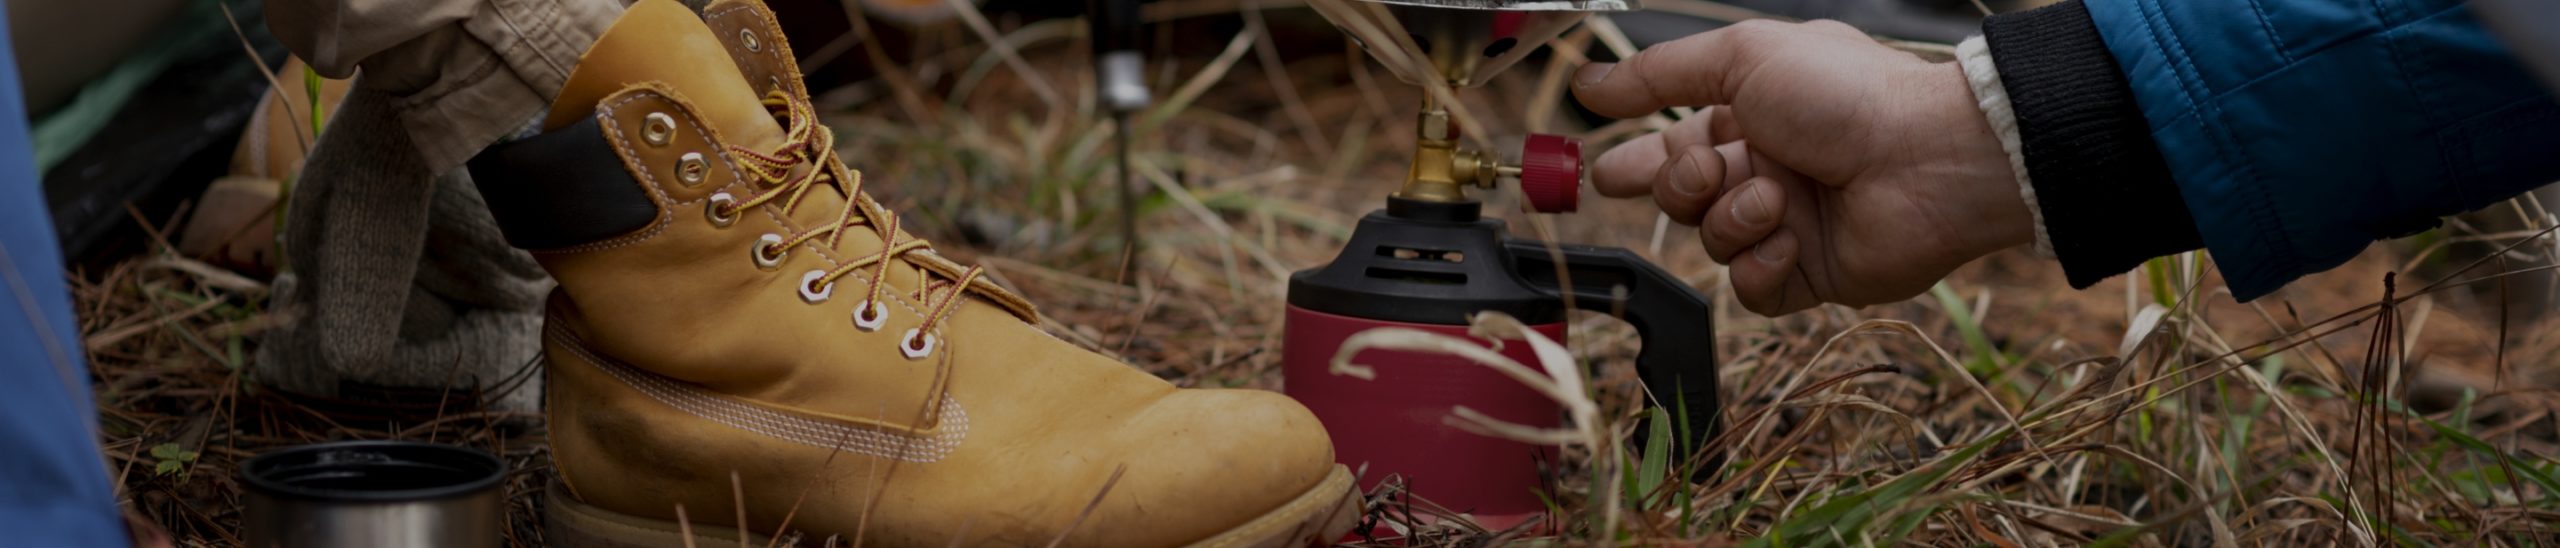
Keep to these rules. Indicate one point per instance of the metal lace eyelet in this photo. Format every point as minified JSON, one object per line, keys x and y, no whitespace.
{"x":690,"y":168}
{"x":769,"y":252}
{"x":811,"y":291}
{"x":719,"y":203}
{"x":917,"y":344}
{"x":870,"y":316}
{"x":658,"y":128}
{"x":749,"y":39}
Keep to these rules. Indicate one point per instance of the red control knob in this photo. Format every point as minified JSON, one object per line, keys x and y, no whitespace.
{"x":1551,"y":173}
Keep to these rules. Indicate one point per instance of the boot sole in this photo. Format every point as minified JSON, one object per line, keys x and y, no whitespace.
{"x":1318,"y":516}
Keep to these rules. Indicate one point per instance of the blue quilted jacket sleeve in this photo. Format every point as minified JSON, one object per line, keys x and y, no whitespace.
{"x":2297,"y":132}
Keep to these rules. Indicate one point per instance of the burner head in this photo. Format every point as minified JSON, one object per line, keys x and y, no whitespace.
{"x":1459,"y":42}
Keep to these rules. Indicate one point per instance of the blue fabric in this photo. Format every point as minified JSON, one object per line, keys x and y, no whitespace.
{"x":2300,"y":131}
{"x":53,"y":482}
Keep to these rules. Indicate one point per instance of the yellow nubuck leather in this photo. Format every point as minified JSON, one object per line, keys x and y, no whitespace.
{"x":684,"y":353}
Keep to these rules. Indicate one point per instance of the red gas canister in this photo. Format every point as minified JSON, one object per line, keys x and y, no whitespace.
{"x":1397,"y":422}
{"x":1431,"y":266}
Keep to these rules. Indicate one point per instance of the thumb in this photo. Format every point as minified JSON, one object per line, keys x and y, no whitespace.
{"x":1703,"y":69}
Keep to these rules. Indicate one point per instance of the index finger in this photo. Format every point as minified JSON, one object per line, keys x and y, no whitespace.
{"x":1699,"y":70}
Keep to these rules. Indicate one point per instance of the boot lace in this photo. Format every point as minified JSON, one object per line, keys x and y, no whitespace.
{"x":813,"y":145}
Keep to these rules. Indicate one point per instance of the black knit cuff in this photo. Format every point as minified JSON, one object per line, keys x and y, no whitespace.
{"x":2107,"y":197}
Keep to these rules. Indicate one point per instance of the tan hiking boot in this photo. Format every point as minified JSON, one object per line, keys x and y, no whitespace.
{"x":732,"y":306}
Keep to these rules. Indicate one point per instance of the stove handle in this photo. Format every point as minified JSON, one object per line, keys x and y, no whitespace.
{"x":1678,"y":360}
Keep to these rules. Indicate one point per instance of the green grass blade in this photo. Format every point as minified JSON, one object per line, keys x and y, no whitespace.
{"x":1855,"y":511}
{"x":311,"y":90}
{"x":2530,"y":472}
{"x":2158,"y":271}
{"x":1985,"y":358}
{"x":1658,"y":447}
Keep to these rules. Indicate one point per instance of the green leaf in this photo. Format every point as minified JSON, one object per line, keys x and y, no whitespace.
{"x":173,"y":459}
{"x":1658,"y":448}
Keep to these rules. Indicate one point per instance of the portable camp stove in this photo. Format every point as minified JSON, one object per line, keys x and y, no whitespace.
{"x":1430,"y":259}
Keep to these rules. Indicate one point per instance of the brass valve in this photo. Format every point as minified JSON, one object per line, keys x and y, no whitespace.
{"x":1443,"y":166}
{"x":1549,"y":170}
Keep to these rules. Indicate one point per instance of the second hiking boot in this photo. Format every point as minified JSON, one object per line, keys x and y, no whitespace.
{"x":740,"y":330}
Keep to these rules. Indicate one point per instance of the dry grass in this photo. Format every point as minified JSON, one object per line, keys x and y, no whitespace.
{"x":2004,"y":410}
{"x":168,"y":341}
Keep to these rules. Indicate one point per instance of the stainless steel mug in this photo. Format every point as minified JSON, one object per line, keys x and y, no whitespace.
{"x":375,"y":494}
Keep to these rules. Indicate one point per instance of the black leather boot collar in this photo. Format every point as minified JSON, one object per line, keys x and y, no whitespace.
{"x":561,"y":189}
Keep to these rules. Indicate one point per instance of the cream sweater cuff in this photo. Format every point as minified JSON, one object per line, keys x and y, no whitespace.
{"x":1975,"y":56}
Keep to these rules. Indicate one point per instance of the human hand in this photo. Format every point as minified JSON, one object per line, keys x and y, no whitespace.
{"x":1829,"y":168}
